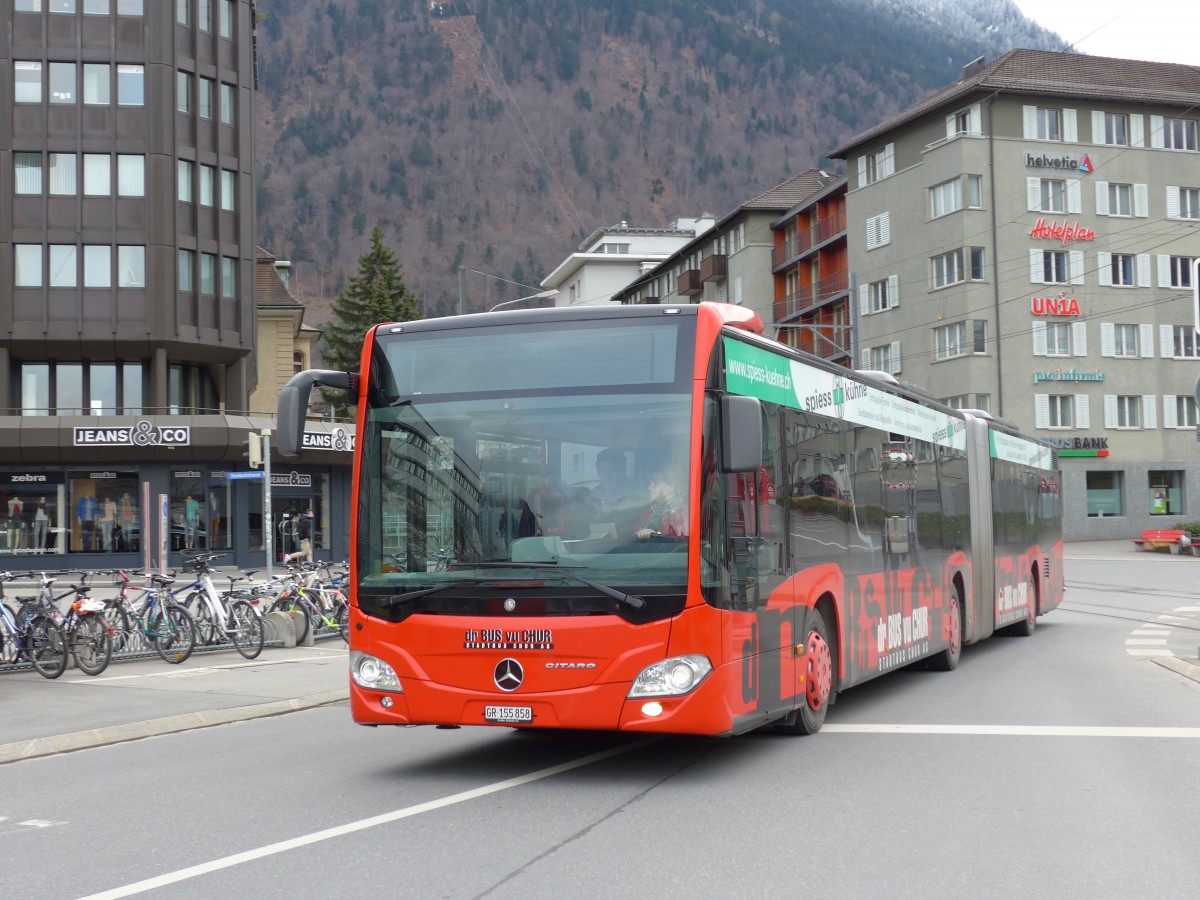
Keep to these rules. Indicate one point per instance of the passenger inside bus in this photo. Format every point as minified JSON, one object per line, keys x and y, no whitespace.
{"x":666,"y":516}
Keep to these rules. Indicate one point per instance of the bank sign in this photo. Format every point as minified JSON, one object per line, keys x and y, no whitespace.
{"x":789,"y":382}
{"x":142,"y":434}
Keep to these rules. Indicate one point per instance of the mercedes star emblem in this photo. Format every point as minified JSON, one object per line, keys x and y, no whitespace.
{"x":508,"y":675}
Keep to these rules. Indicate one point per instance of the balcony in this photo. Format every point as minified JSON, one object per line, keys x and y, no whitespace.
{"x":818,"y":293}
{"x":806,"y":239}
{"x":714,"y":268}
{"x":690,"y":283}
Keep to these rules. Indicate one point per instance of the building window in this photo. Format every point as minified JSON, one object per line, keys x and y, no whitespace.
{"x":1185,"y":344}
{"x":1054,"y":267}
{"x":950,"y":340}
{"x":1116,"y":129}
{"x":1052,"y":195}
{"x":228,"y":100}
{"x":207,"y":176}
{"x":27,"y":265}
{"x":1120,"y":199}
{"x":60,"y":388}
{"x":27,"y":82}
{"x":956,"y":266}
{"x":97,"y":84}
{"x":131,"y":175}
{"x":183,"y":13}
{"x":183,"y":92}
{"x":1125,"y":340}
{"x":1166,"y":492}
{"x":879,"y":231}
{"x":228,"y":277}
{"x":227,"y":14}
{"x":946,"y":198}
{"x":1129,"y":412}
{"x":297,"y":362}
{"x":1179,"y":134}
{"x":204,"y":106}
{"x":877,"y":293}
{"x":129,"y":7}
{"x":1121,"y":270}
{"x":96,"y":7}
{"x":1104,"y":494}
{"x":62,"y":175}
{"x":62,"y":7}
{"x":186,"y":261}
{"x":204,"y":15}
{"x":34,"y":6}
{"x":979,"y":336}
{"x":958,"y":401}
{"x":35,"y":389}
{"x":62,"y":82}
{"x":885,"y":358}
{"x":1183,"y":203}
{"x":876,"y":166}
{"x":27,"y":174}
{"x":64,"y":266}
{"x":184,"y":171}
{"x":983,"y":401}
{"x":131,"y":88}
{"x":228,"y":190}
{"x":1061,"y":411}
{"x":97,"y":266}
{"x":1185,"y":411}
{"x":97,"y":175}
{"x":1058,"y":339}
{"x":131,"y":267}
{"x":1048,"y":124}
{"x":208,"y":274}
{"x":1176,"y":271}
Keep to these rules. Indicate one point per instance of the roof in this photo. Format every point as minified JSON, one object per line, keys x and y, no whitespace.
{"x":1047,"y":73}
{"x":269,"y":289}
{"x":784,"y":196}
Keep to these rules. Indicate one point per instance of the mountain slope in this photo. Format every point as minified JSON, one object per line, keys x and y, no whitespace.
{"x":496,"y":134}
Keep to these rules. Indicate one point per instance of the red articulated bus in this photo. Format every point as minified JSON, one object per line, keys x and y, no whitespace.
{"x":653,"y":518}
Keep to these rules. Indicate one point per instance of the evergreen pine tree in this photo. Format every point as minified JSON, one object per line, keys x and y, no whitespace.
{"x":376,"y":294}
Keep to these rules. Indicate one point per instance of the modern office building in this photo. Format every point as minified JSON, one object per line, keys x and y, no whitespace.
{"x":127,"y":269}
{"x":1023,"y":242}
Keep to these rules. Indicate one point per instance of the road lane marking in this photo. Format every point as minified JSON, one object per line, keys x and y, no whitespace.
{"x":1137,"y":651}
{"x":238,"y":859}
{"x":1021,"y":730}
{"x":1156,"y":642}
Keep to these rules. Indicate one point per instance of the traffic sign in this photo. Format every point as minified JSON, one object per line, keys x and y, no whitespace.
{"x":243,"y":476}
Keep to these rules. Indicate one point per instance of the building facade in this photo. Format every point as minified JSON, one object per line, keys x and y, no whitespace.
{"x":1023,"y":242}
{"x":127,"y":302}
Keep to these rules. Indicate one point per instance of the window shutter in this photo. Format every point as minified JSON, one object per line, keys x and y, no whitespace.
{"x":893,"y":291}
{"x":1104,"y":268}
{"x":1156,"y":132}
{"x":1079,"y":338}
{"x":1102,"y":198}
{"x":1170,"y":419}
{"x":1164,"y":270}
{"x":1097,"y":127}
{"x":1110,"y":410}
{"x":865,"y":358}
{"x":1143,"y":270}
{"x":1036,"y":272}
{"x":1173,"y":207}
{"x":951,"y":131}
{"x":894,"y":357}
{"x":1039,"y":338}
{"x":1074,"y":197}
{"x":1033,"y":192}
{"x":1149,"y":411}
{"x":1083,"y":415}
{"x":889,"y":160}
{"x":737,"y":290}
{"x":1166,"y":341}
{"x":1108,"y":339}
{"x":1029,"y":120}
{"x":864,"y":299}
{"x":975,"y":119}
{"x":1146,"y":340}
{"x":1137,"y":131}
{"x":1141,"y":201}
{"x":1041,"y":410}
{"x":1075,"y":264}
{"x":862,"y":171}
{"x":1070,"y":126}
{"x":885,"y":229}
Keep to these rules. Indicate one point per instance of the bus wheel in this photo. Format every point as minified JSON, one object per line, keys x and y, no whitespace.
{"x":947,"y":660}
{"x":818,"y":681}
{"x":1026,"y":626}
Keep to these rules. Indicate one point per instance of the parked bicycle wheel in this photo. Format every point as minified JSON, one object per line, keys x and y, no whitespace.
{"x":208,"y":629}
{"x":119,"y":625}
{"x":174,"y":634}
{"x":248,"y":633}
{"x":343,"y":622}
{"x":91,"y":643}
{"x":45,"y":646}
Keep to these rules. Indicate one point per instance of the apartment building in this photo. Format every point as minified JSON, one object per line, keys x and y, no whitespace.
{"x":127,"y":301}
{"x":1024,"y":241}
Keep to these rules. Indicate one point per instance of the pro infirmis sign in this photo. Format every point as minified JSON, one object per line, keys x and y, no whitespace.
{"x":755,"y":372}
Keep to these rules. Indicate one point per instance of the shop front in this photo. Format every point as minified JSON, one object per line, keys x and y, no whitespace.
{"x":95,"y":495}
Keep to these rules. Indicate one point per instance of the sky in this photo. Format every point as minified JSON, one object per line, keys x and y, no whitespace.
{"x":1155,"y":30}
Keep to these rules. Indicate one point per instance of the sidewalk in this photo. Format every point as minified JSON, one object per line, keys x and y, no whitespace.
{"x":141,"y":698}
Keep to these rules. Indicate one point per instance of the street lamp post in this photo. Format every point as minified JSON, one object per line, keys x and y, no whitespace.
{"x":541,"y":295}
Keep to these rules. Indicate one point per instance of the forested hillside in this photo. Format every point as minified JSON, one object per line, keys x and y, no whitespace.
{"x":496,"y":134}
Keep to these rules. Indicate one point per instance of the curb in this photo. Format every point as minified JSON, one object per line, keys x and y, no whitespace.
{"x":1178,"y":666}
{"x":135,"y":731}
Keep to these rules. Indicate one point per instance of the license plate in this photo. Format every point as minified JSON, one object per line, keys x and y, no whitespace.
{"x":508,"y":713}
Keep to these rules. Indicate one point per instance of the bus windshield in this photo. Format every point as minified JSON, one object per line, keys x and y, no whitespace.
{"x":497,"y":453}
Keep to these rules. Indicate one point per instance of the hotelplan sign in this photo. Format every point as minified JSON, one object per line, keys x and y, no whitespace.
{"x":142,"y":434}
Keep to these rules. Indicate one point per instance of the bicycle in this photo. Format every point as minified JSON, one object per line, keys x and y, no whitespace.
{"x":329,"y":612}
{"x":34,"y":637}
{"x":162,"y":621}
{"x":221,"y":616}
{"x":88,"y":635}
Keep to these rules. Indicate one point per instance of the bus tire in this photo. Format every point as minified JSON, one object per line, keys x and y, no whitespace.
{"x":947,"y":660}
{"x":809,"y":716}
{"x":1028,"y":625}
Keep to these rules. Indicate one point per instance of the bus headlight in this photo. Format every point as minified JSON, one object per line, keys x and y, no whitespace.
{"x":671,"y":677}
{"x":373,"y":673}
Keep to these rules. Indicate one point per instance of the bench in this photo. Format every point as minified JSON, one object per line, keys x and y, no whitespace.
{"x":1170,"y":539}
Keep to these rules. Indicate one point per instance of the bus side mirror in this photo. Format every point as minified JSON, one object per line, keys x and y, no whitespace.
{"x":293,"y":404}
{"x":741,"y":433}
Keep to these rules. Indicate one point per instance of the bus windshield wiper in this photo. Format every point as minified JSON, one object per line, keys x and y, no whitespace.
{"x":631,"y":600}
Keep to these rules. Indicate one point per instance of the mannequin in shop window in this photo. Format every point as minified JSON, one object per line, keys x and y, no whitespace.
{"x":86,"y":510}
{"x":128,"y":513}
{"x":108,"y":515}
{"x":14,"y":522}
{"x":41,"y":524}
{"x":191,"y":519}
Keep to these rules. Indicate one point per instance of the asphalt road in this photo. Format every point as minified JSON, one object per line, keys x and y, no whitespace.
{"x":1061,"y":765}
